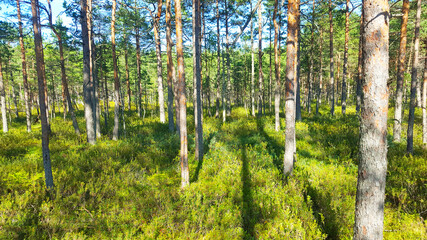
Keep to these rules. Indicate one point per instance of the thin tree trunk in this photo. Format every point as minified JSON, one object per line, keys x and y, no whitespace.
{"x":116,"y":76}
{"x":227,"y":45}
{"x":311,"y":70}
{"x":252,"y":67}
{"x":3,"y":101}
{"x":138,"y":71}
{"x":88,"y":86}
{"x":424,"y":99}
{"x":345,"y":65}
{"x":24,"y":69}
{"x":185,"y":173}
{"x":270,"y":72}
{"x":41,"y":78}
{"x":359,"y":67}
{"x":159,"y":62}
{"x":170,"y":65}
{"x":127,"y":80}
{"x":369,"y":214}
{"x":414,"y":73}
{"x":197,"y":80}
{"x":331,"y":61}
{"x":278,"y":88}
{"x":218,"y":73}
{"x":319,"y":90}
{"x":291,"y":85}
{"x":298,"y":91}
{"x":260,"y":73}
{"x":397,"y":127}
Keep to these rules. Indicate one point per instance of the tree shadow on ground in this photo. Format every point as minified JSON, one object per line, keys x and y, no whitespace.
{"x":275,"y":149}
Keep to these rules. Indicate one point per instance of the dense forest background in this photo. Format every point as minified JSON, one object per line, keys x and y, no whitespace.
{"x":171,"y":123}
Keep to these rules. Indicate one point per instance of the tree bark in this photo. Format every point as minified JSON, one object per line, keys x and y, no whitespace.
{"x":3,"y":100}
{"x":369,"y":215}
{"x":252,"y":68}
{"x":218,"y":73}
{"x":397,"y":127}
{"x":291,"y":85}
{"x":170,"y":65}
{"x":331,"y":61}
{"x":138,"y":71}
{"x":41,"y":85}
{"x":414,"y":73}
{"x":345,"y":65}
{"x":159,"y":61}
{"x":88,"y":85}
{"x":260,"y":73}
{"x":424,"y":99}
{"x":24,"y":69}
{"x":227,"y":48}
{"x":127,"y":80}
{"x":278,"y":88}
{"x":116,"y":76}
{"x":319,"y":90}
{"x":197,"y":80}
{"x":185,"y":173}
{"x":311,"y":68}
{"x":359,"y":67}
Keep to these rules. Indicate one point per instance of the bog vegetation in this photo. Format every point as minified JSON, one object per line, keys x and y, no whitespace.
{"x":213,"y":119}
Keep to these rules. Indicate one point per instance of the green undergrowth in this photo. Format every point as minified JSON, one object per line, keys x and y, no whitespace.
{"x":130,"y":189}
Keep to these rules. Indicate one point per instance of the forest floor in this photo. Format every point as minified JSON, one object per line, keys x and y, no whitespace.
{"x":130,"y":188}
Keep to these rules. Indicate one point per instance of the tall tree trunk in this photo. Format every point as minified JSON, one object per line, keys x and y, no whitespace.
{"x":369,"y":215}
{"x":291,"y":85}
{"x":116,"y":76}
{"x":159,"y":62}
{"x":24,"y":69}
{"x":278,"y":88}
{"x":397,"y":126}
{"x":3,"y":100}
{"x":414,"y":73}
{"x":260,"y":73}
{"x":319,"y":90}
{"x":88,"y":86}
{"x":359,"y":67}
{"x":41,"y":77}
{"x":252,"y":67}
{"x":331,"y":61}
{"x":218,"y":73}
{"x":197,"y":80}
{"x":170,"y":65}
{"x":311,"y":72}
{"x":424,"y":99}
{"x":138,"y":72}
{"x":270,"y":72}
{"x":127,"y":80}
{"x":298,"y":89}
{"x":227,"y":45}
{"x":185,"y":173}
{"x":345,"y":65}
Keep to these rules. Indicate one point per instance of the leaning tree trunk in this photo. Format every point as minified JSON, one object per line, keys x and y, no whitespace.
{"x":291,"y":85}
{"x":116,"y":76}
{"x":185,"y":173}
{"x":397,"y":127}
{"x":331,"y":60}
{"x":345,"y":65}
{"x":369,"y":215}
{"x":88,"y":86}
{"x":41,"y":76}
{"x":197,"y":81}
{"x":170,"y":65}
{"x":24,"y":69}
{"x":424,"y":99}
{"x":414,"y":73}
{"x":277,"y":89}
{"x":159,"y":62}
{"x":260,"y":73}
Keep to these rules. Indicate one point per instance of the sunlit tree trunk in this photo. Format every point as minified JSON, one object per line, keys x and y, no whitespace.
{"x":127,"y":80}
{"x":345,"y":65}
{"x":41,"y":77}
{"x":319,"y":90}
{"x":197,"y":80}
{"x":291,"y":85}
{"x":278,"y":88}
{"x":116,"y":76}
{"x":298,"y":86}
{"x":170,"y":65}
{"x":331,"y":61}
{"x":369,"y":215}
{"x":359,"y":67}
{"x":138,"y":72}
{"x":397,"y":127}
{"x":252,"y":67}
{"x":88,"y":86}
{"x":414,"y":73}
{"x":159,"y":62}
{"x":424,"y":99}
{"x":227,"y":48}
{"x":3,"y":100}
{"x":24,"y":69}
{"x":185,"y":173}
{"x":260,"y":73}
